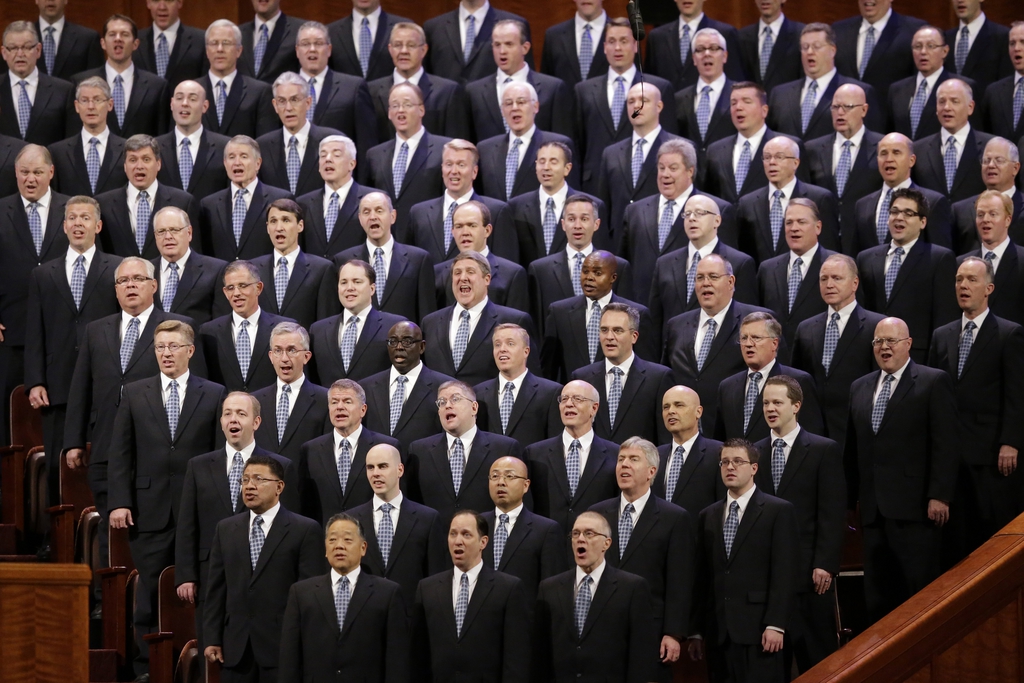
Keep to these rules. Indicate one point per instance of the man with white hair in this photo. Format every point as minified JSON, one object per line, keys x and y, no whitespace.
{"x":1000,"y":165}
{"x":239,"y":104}
{"x":37,"y":110}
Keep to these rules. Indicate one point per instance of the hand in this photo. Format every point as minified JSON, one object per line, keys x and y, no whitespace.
{"x":214,"y":654}
{"x":1007,"y":460}
{"x":76,"y":457}
{"x":2,"y":328}
{"x":38,"y":398}
{"x":938,"y":511}
{"x":121,"y":518}
{"x":187,"y":592}
{"x":822,"y":580}
{"x":695,"y":648}
{"x":670,"y":649}
{"x":771,"y":640}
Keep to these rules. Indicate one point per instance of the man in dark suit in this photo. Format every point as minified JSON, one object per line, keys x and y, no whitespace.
{"x":127,"y":211}
{"x":359,"y":43}
{"x":170,"y":49}
{"x":572,"y":49}
{"x":834,"y":347}
{"x":700,"y":345}
{"x":999,"y":116}
{"x":140,"y":97}
{"x":251,"y":574}
{"x":999,"y":169}
{"x":669,"y":47}
{"x":237,"y":354}
{"x":40,"y":114}
{"x":597,"y":125}
{"x":576,"y":469}
{"x":912,"y":109}
{"x":517,"y":403}
{"x":161,"y":423}
{"x":875,"y":47}
{"x":332,"y":467}
{"x":448,"y":472}
{"x":710,"y":94}
{"x":192,"y":158}
{"x":404,"y":282}
{"x":978,"y":47}
{"x":902,"y":453}
{"x":688,"y":471}
{"x":365,"y":636}
{"x":770,"y":49}
{"x":472,"y":622}
{"x":9,"y":148}
{"x":800,"y":108}
{"x":807,"y":471}
{"x":952,"y":168}
{"x":189,"y":283}
{"x":67,"y":47}
{"x":64,"y":295}
{"x":268,"y":42}
{"x":993,"y":226}
{"x":459,"y":336}
{"x":242,"y":105}
{"x":234,"y":220}
{"x":353,"y":343}
{"x":82,"y":166}
{"x":594,"y":621}
{"x":460,"y":41}
{"x":909,"y":278}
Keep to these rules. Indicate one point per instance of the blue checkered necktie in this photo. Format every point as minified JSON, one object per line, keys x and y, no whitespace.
{"x":256,"y":540}
{"x":35,"y":227}
{"x":684,"y":45}
{"x":778,"y":463}
{"x":143,"y":213}
{"x":348,"y":341}
{"x":869,"y":47}
{"x":283,"y":404}
{"x":949,"y":163}
{"x":691,"y":276}
{"x":461,"y":604}
{"x":593,"y":330}
{"x":238,"y":212}
{"x":775,"y":217}
{"x":894,"y":270}
{"x":163,"y":56}
{"x":843,"y":167}
{"x":170,"y":287}
{"x":586,"y":51}
{"x":512,"y":167}
{"x":966,"y":342}
{"x":618,"y":101}
{"x":131,"y":336}
{"x":705,"y":344}
{"x":582,"y":607}
{"x":243,"y":349}
{"x":185,"y":162}
{"x":293,"y":164}
{"x":574,"y":274}
{"x":508,"y":400}
{"x":796,"y":276}
{"x":882,"y":226}
{"x":397,"y":403}
{"x":449,"y":217}
{"x":636,"y":164}
{"x":235,"y":479}
{"x":24,"y":108}
{"x":173,"y":408}
{"x":504,"y":121}
{"x":221,"y":100}
{"x":742,"y":166}
{"x":467,"y":49}
{"x":92,"y":163}
{"x":365,"y":46}
{"x":344,"y":464}
{"x":991,"y":258}
{"x":614,"y":394}
{"x":457,"y":462}
{"x":674,"y":468}
{"x":78,"y":281}
{"x":500,"y":538}
{"x":750,"y":402}
{"x":49,"y":49}
{"x":281,"y":281}
{"x":732,"y":523}
{"x":385,"y":532}
{"x":312,"y":96}
{"x":625,"y":528}
{"x":917,"y":107}
{"x":807,"y":107}
{"x":398,"y":171}
{"x":1018,"y":102}
{"x":461,"y":339}
{"x":831,"y":341}
{"x":549,"y":224}
{"x":380,"y":273}
{"x":260,"y":49}
{"x":766,"y":50}
{"x":573,"y":465}
{"x":878,"y":410}
{"x":665,"y":223}
{"x":119,"y":104}
{"x":704,"y":111}
{"x":331,"y":215}
{"x":963,"y":46}
{"x":342,"y":596}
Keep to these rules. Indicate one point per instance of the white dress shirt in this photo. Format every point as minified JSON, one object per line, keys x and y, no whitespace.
{"x":787,"y":194}
{"x":229,"y":80}
{"x":978,"y":320}
{"x":517,"y":384}
{"x":171,"y":33}
{"x":127,"y":80}
{"x":413,"y":142}
{"x":101,"y":147}
{"x":837,"y":147}
{"x":194,"y":141}
{"x":790,"y":439}
{"x":473,"y":575}
{"x":961,"y":140}
{"x":677,"y":208}
{"x":42,"y":208}
{"x":687,"y":447}
{"x":347,"y":315}
{"x":251,"y":187}
{"x":246,"y":454}
{"x":625,"y":366}
{"x":397,"y":78}
{"x":972,"y":32}
{"x":474,"y":318}
{"x":805,"y":259}
{"x":236,"y":325}
{"x":526,"y":138}
{"x":388,"y":250}
{"x":627,"y":76}
{"x":31,"y":84}
{"x":596,"y":31}
{"x":513,"y":515}
{"x":702,"y":327}
{"x":559,"y":196}
{"x":586,"y":441}
{"x":353,"y":577}
{"x":257,"y":22}
{"x":268,"y":519}
{"x":881,"y":198}
{"x":999,"y":250}
{"x":378,"y":514}
{"x":289,"y":258}
{"x":126,"y":319}
{"x":479,"y":14}
{"x":717,"y":87}
{"x":502,"y":81}
{"x":357,"y":27}
{"x":822,"y":81}
{"x":411,"y":377}
{"x":293,"y":395}
{"x":467,"y":442}
{"x":892,"y":252}
{"x":595,"y":574}
{"x":133,"y":203}
{"x":743,"y":500}
{"x":342,"y":195}
{"x":638,"y":505}
{"x":165,"y":269}
{"x":775,"y":27}
{"x":58,"y":30}
{"x":649,"y":140}
{"x":72,"y":256}
{"x":765,"y":371}
{"x":755,"y":143}
{"x":844,"y":315}
{"x":931,"y":82}
{"x":703,"y":251}
{"x":862,"y":34}
{"x":165,"y":387}
{"x":301,"y":138}
{"x":892,"y":387}
{"x":353,"y":444}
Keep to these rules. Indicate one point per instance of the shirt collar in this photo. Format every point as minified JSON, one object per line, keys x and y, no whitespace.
{"x":268,"y":517}
{"x":585,"y":441}
{"x":879,"y":25}
{"x":171,"y":30}
{"x":974,"y":26}
{"x":596,"y":573}
{"x":143,"y":317}
{"x":525,"y":137}
{"x":59,"y":24}
{"x":271,"y":24}
{"x":856,"y":138}
{"x":960,"y":135}
{"x":787,"y":189}
{"x":516,"y":382}
{"x":687,"y":445}
{"x":295,"y":384}
{"x":251,"y":187}
{"x":844,"y":312}
{"x":479,"y":13}
{"x":931,"y":79}
{"x":776,"y":25}
{"x":134,"y":192}
{"x":387,"y":247}
{"x":373,"y":16}
{"x":347,"y":314}
{"x":397,"y":78}
{"x":42,"y":203}
{"x":467,"y":437}
{"x":624,"y":365}
{"x":228,"y":81}
{"x":182,"y":381}
{"x":790,"y":438}
{"x":717,"y":85}
{"x":413,"y":140}
{"x":650,"y":137}
{"x":694,"y":24}
{"x":513,"y":514}
{"x":395,"y":502}
{"x":559,"y":196}
{"x":473,"y":573}
{"x":253,"y":319}
{"x":743,"y":500}
{"x":754,"y":140}
{"x":125,"y":75}
{"x":805,"y":257}
{"x":194,"y":138}
{"x":999,"y":249}
{"x":412,"y":375}
{"x":638,"y":504}
{"x":103,"y":136}
{"x":517,"y":77}
{"x":474,"y":310}
{"x":302,"y":134}
{"x":979,"y":320}
{"x":246,"y":451}
{"x":822,"y":81}
{"x":353,"y":438}
{"x":353,"y":576}
{"x":595,"y":24}
{"x":628,"y":75}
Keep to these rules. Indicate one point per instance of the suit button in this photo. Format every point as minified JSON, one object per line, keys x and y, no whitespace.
{"x":172,"y":448}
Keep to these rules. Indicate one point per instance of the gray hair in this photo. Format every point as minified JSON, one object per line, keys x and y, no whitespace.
{"x":315,"y":26}
{"x":649,"y":450}
{"x":771,"y":325}
{"x":632,"y":313}
{"x":225,"y":23}
{"x":350,"y":385}
{"x":141,"y":141}
{"x":485,"y":266}
{"x":528,"y":86}
{"x":600,"y":520}
{"x":1013,"y":154}
{"x":21,"y":27}
{"x":342,"y":516}
{"x":128,"y":260}
{"x":244,"y":140}
{"x":93,"y":82}
{"x":175,"y":211}
{"x":683,"y":148}
{"x":291,"y":328}
{"x":847,"y":261}
{"x":990,"y":272}
{"x":243,"y":266}
{"x":345,"y":140}
{"x":290,"y":78}
{"x":712,"y":33}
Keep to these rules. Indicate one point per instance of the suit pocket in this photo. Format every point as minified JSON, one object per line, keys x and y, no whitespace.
{"x":142,"y":482}
{"x":757,"y":597}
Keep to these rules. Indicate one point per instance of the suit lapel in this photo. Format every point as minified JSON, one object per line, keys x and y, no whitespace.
{"x":484,"y":585}
{"x":477,"y":455}
{"x":911,"y":261}
{"x":419,"y":158}
{"x":488,"y":319}
{"x":218,"y":473}
{"x":750,"y":516}
{"x":252,"y":216}
{"x":906,"y":383}
{"x":985,"y":335}
{"x":399,"y":264}
{"x":647,"y":521}
{"x":527,"y":392}
{"x":797,"y":455}
{"x":193,"y":395}
{"x":156,"y":406}
{"x":277,"y":533}
{"x":602,"y":595}
{"x":360,"y":596}
{"x":299,"y":274}
{"x":303,"y":402}
{"x":324,"y":594}
{"x":522,"y":529}
{"x":406,"y":521}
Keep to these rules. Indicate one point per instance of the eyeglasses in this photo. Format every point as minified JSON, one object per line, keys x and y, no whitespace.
{"x":294,"y":101}
{"x":713,"y":49}
{"x":455,"y":400}
{"x":577,"y":400}
{"x":813,"y":47}
{"x":778,"y":157}
{"x":24,"y":49}
{"x":404,"y":342}
{"x":906,"y":213}
{"x":173,"y":348}
{"x":507,"y":476}
{"x":402,"y":106}
{"x":518,"y":102}
{"x":712,"y":278}
{"x":845,"y":107}
{"x":292,"y":352}
{"x":995,"y":161}
{"x":698,"y":213}
{"x":751,"y":338}
{"x":258,"y":480}
{"x":306,"y":44}
{"x":588,"y":534}
{"x":134,"y":279}
{"x":406,"y":46}
{"x":160,"y":232}
{"x":94,"y":101}
{"x":242,"y":287}
{"x":926,"y":47}
{"x":732,"y":462}
{"x":887,"y":341}
{"x":226,"y":44}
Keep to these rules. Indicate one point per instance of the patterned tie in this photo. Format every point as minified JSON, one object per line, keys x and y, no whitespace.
{"x":586,"y":51}
{"x":385,"y":532}
{"x":674,"y":468}
{"x":185,"y":162}
{"x":691,"y":277}
{"x":512,"y":167}
{"x":894,"y":270}
{"x":582,"y":607}
{"x":342,"y":595}
{"x":577,"y":270}
{"x":312,"y":96}
{"x":637,"y":162}
{"x":625,"y":528}
{"x":831,"y":341}
{"x":235,"y":479}
{"x":766,"y":50}
{"x":869,"y":47}
{"x":991,"y":258}
{"x":173,"y":407}
{"x":882,"y":227}
{"x":170,"y":287}
{"x":778,"y":463}
{"x":963,"y":46}
{"x":807,"y":108}
{"x":282,"y":412}
{"x":1018,"y":103}
{"x":742,"y":166}
{"x":344,"y":464}
{"x":500,"y":538}
{"x":398,"y":172}
{"x":796,"y":276}
{"x":365,"y":47}
{"x":49,"y":49}
{"x":775,"y":217}
{"x":461,"y":602}
{"x":843,"y":167}
{"x":573,"y":466}
{"x":614,"y":394}
{"x":949,"y":163}
{"x":461,"y":339}
{"x":966,"y":342}
{"x":92,"y":163}
{"x":665,"y":223}
{"x":732,"y":523}
{"x":142,"y":215}
{"x":260,"y":49}
{"x":750,"y":402}
{"x":118,"y":91}
{"x":222,"y":98}
{"x":243,"y":349}
{"x":878,"y":410}
{"x":684,"y":46}
{"x":549,"y":224}
{"x":380,"y":273}
{"x":467,"y":49}
{"x":131,"y":335}
{"x":457,"y":464}
{"x":162,"y":56}
{"x":348,"y":341}
{"x":238,"y":215}
{"x":24,"y":108}
{"x":593,"y":330}
{"x":256,"y":540}
{"x":78,"y":281}
{"x":705,"y":344}
{"x":704,"y":111}
{"x":397,"y":403}
{"x":331,"y":215}
{"x":508,"y":400}
{"x":281,"y":281}
{"x":917,"y":107}
{"x":35,"y":226}
{"x":449,"y":217}
{"x":618,"y":101}
{"x":293,"y":164}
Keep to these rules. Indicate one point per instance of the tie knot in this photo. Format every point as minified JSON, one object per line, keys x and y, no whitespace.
{"x":835,"y":317}
{"x":282,"y":261}
{"x":173,"y":384}
{"x":464,"y":581}
{"x":578,"y":257}
{"x":143,"y":195}
{"x":551,"y":203}
{"x":847,"y":144}
{"x":293,"y":142}
{"x":798,"y":261}
{"x":94,"y":141}
{"x":118,"y":79}
{"x":670,"y":204}
{"x":287,"y":388}
{"x":185,"y":142}
{"x":755,"y":377}
{"x":464,"y":315}
{"x":889,"y":379}
{"x":640,"y":143}
{"x":378,"y":252}
{"x":80,"y":260}
{"x":629,"y":509}
{"x":712,"y":324}
{"x":22,"y":83}
{"x":258,"y":521}
{"x":620,"y":79}
{"x":778,"y":194}
{"x":617,"y":371}
{"x":779,"y":443}
{"x":990,"y":256}
{"x":510,"y":387}
{"x":366,"y":21}
{"x":405,"y":146}
{"x":965,"y":32}
{"x":334,"y":196}
{"x":746,"y":145}
{"x":354,"y":320}
{"x":503,"y":518}
{"x":173,"y":266}
{"x":134,"y":322}
{"x":734,"y":507}
{"x":575,"y":444}
{"x":586,"y":27}
{"x":33,"y":206}
{"x":263,"y":29}
{"x":706,"y":90}
{"x":386,"y":508}
{"x":813,"y":87}
{"x":951,"y":141}
{"x":508,"y":79}
{"x":970,"y":325}
{"x":686,"y":29}
{"x":517,"y":142}
{"x":899,"y":251}
{"x":241,"y":193}
{"x":767,"y":31}
{"x":50,"y":30}
{"x":344,"y":580}
{"x":402,"y":379}
{"x":237,"y":458}
{"x":245,"y":324}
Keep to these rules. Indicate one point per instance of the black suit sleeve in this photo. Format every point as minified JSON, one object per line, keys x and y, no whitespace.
{"x":186,"y":533}
{"x":785,"y":549}
{"x":945,"y":435}
{"x":215,"y":605}
{"x":290,"y":655}
{"x":830,"y":523}
{"x":311,"y":553}
{"x":679,"y":583}
{"x":516,"y":635}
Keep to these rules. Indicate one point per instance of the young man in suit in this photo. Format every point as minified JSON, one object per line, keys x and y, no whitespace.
{"x":770,"y":49}
{"x":255,"y":558}
{"x":911,"y":107}
{"x":993,"y":226}
{"x":40,"y":115}
{"x":999,"y":169}
{"x":998,"y":113}
{"x":242,"y":105}
{"x":365,"y":636}
{"x":806,"y":470}
{"x":359,"y":43}
{"x":189,"y":283}
{"x":572,"y":48}
{"x":710,"y":94}
{"x":875,"y":47}
{"x":977,"y":46}
{"x":67,"y":47}
{"x":268,"y":42}
{"x":688,"y":472}
{"x":669,"y":47}
{"x":81,"y":165}
{"x":192,"y":156}
{"x":170,"y":49}
{"x":460,"y":41}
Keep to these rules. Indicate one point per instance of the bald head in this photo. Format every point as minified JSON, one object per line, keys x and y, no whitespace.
{"x":384,"y":470}
{"x":703,"y":202}
{"x":895,"y":158}
{"x":849,"y":106}
{"x":510,"y":463}
{"x":598,"y":273}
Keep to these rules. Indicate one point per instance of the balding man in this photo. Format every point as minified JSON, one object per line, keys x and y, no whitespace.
{"x":999,"y":114}
{"x":911,"y":102}
{"x":688,"y":471}
{"x":992,"y":210}
{"x":1000,"y":166}
{"x":703,"y":108}
{"x":189,"y":282}
{"x":191,"y":155}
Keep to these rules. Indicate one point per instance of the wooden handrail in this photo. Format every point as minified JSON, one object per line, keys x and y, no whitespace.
{"x":969,"y":620}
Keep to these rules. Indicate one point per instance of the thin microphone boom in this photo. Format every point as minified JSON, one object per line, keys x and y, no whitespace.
{"x":636,"y":22}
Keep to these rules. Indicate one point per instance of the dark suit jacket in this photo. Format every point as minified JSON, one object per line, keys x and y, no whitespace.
{"x":773,"y":288}
{"x":754,"y":221}
{"x":864,"y":177}
{"x":369,"y":357}
{"x":344,"y":104}
{"x":215,"y":218}
{"x":784,"y":105}
{"x":199,"y":295}
{"x":318,"y":469}
{"x":929,"y":170}
{"x":187,"y":60}
{"x":343,"y":53}
{"x":915,"y":454}
{"x":430,"y":474}
{"x":219,"y":350}
{"x":989,"y":57}
{"x":534,"y":416}
{"x":426,"y":229}
{"x":864,"y":235}
{"x":534,"y":551}
{"x":446,"y":57}
{"x":79,"y":48}
{"x":248,"y":109}
{"x":700,"y":479}
{"x":529,"y":227}
{"x":446,"y":109}
{"x":147,"y":111}
{"x":1009,"y":280}
{"x":309,"y":419}
{"x":372,"y":644}
{"x":50,"y":119}
{"x":731,"y":394}
{"x":560,"y":58}
{"x":493,"y":154}
{"x":784,"y":64}
{"x":478,"y":360}
{"x":275,"y":155}
{"x":639,"y":406}
{"x":965,"y":230}
{"x":409,"y":291}
{"x":346,"y":231}
{"x":495,"y":640}
{"x":554,"y":95}
{"x":418,"y":418}
{"x":208,"y":174}
{"x":118,"y":236}
{"x":719,"y":126}
{"x":280,"y":55}
{"x":892,"y":58}
{"x":663,"y":57}
{"x":997,"y":110}
{"x":719,"y":178}
{"x":71,"y":176}
{"x":550,"y":280}
{"x":312,"y":292}
{"x":507,"y":288}
{"x":901,"y":94}
{"x":9,"y":148}
{"x":244,"y":605}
